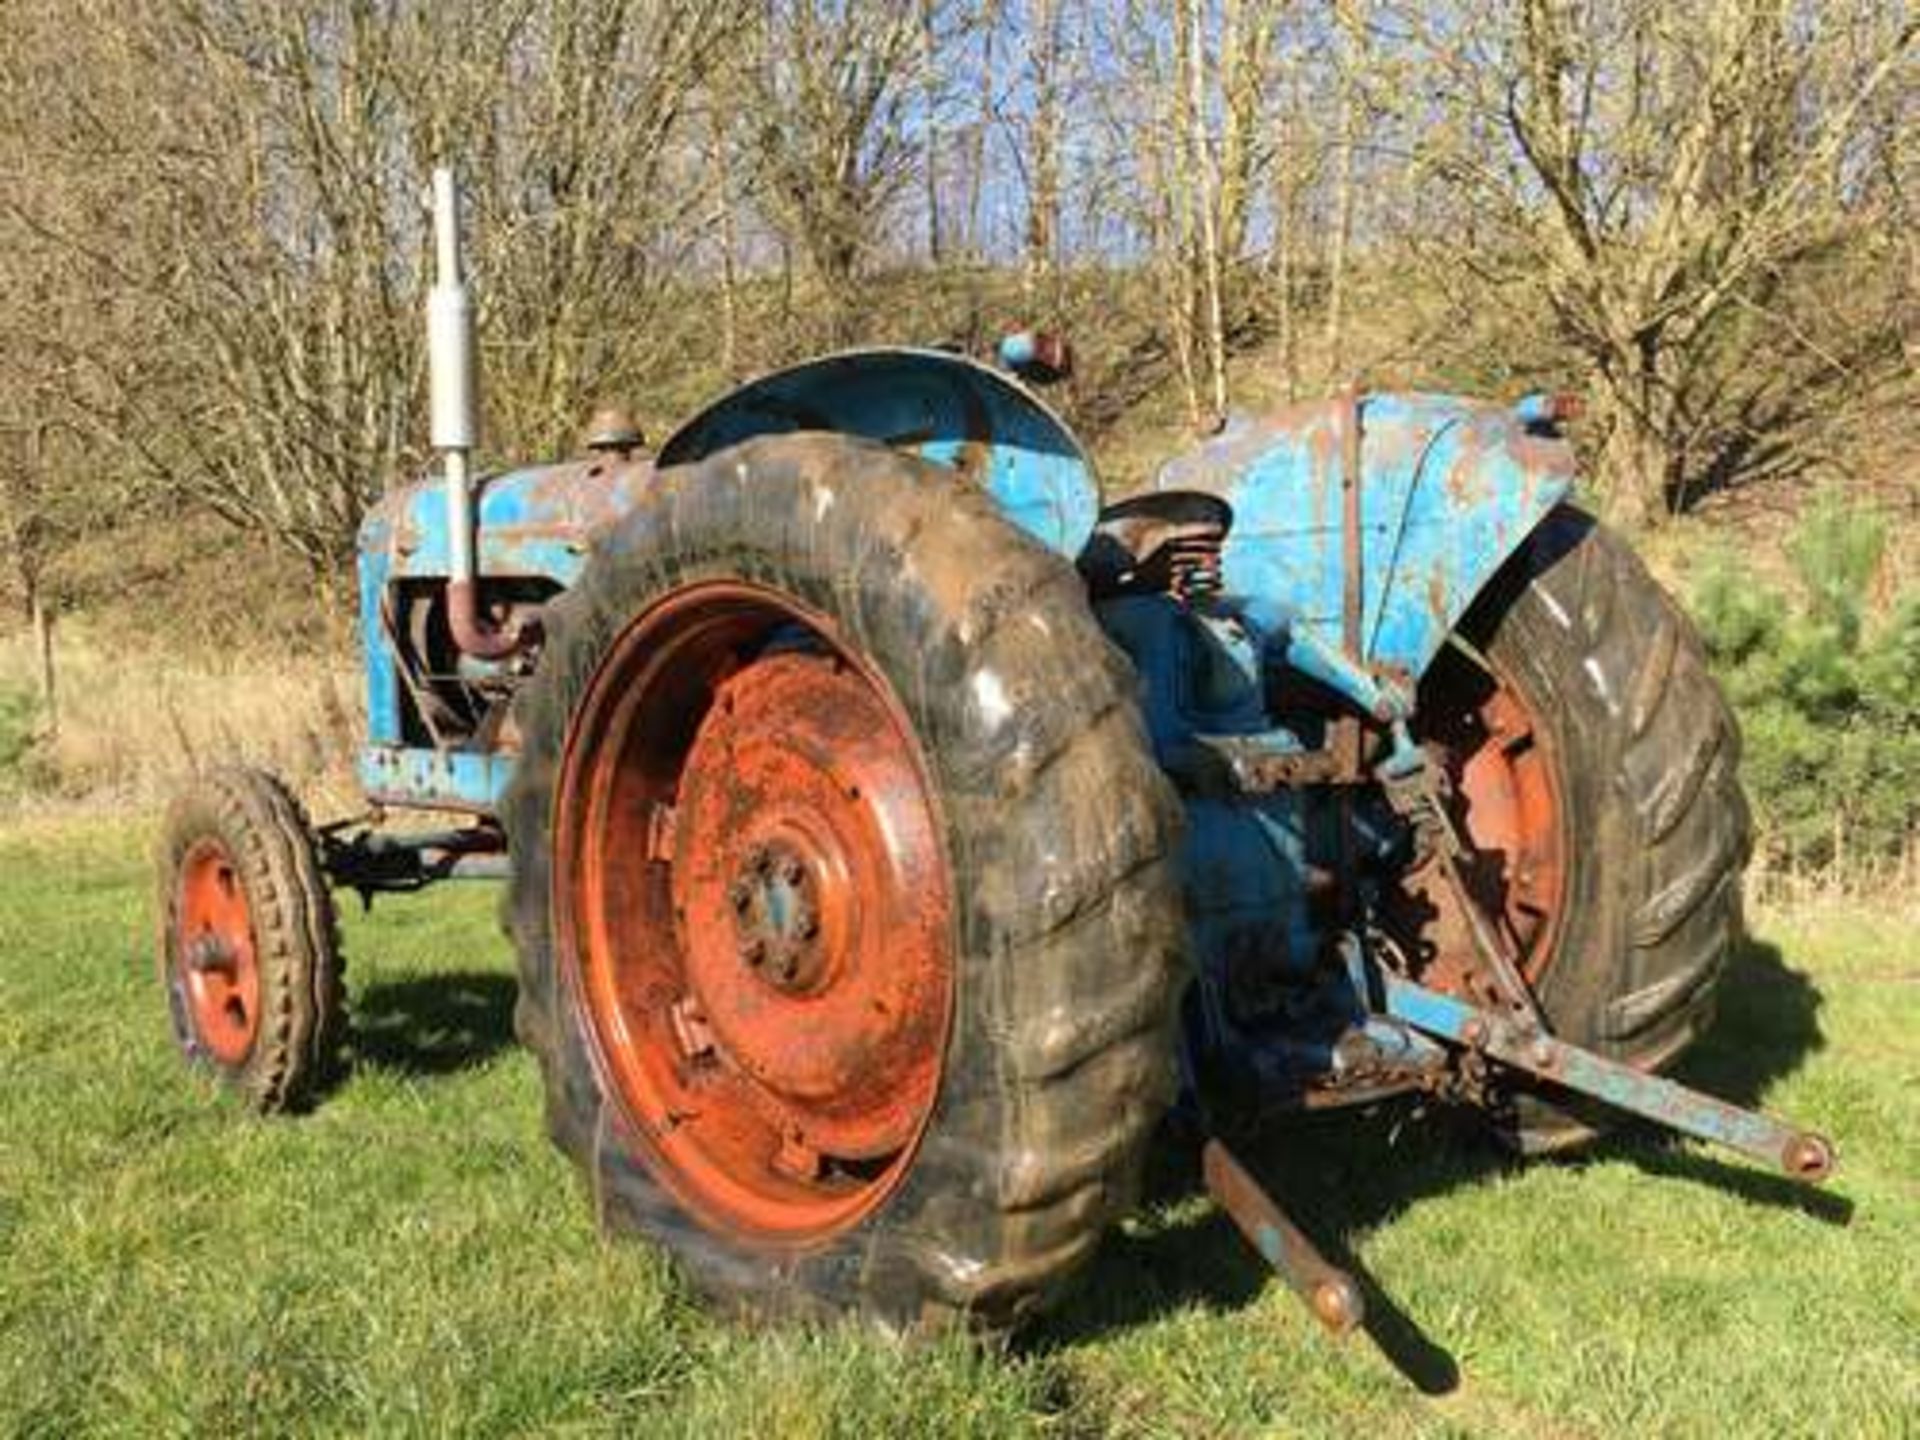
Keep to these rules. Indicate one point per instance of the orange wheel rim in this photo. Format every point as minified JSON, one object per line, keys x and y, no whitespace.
{"x":752,"y":902}
{"x":214,"y":955}
{"x":1502,"y":768}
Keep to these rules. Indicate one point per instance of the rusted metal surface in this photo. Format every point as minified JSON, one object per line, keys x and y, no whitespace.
{"x":943,"y":407}
{"x":533,"y":524}
{"x":539,"y":523}
{"x":468,"y":781}
{"x":749,"y":870}
{"x":358,"y":856}
{"x":614,"y":432}
{"x":1501,"y":789}
{"x":1797,"y":1153}
{"x":1329,"y":1292}
{"x":481,"y":635}
{"x":1489,"y":962}
{"x":536,"y":522}
{"x":1445,"y":489}
{"x":214,"y":950}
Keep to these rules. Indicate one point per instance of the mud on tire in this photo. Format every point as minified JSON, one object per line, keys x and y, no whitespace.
{"x":1067,"y":933}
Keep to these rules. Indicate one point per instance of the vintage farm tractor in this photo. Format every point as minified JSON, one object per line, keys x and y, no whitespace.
{"x":891,"y":834}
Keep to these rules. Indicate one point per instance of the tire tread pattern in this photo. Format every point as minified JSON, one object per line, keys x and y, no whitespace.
{"x":296,"y":1053}
{"x":1060,"y":831}
{"x":1649,"y":758}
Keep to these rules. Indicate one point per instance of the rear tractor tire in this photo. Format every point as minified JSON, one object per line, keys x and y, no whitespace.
{"x":1593,"y":762}
{"x":249,"y":944}
{"x":842,"y":891}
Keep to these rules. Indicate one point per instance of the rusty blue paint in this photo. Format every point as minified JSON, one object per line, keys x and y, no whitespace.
{"x":540,"y":522}
{"x":1449,"y":488}
{"x":943,"y":407}
{"x":374,"y":566}
{"x":536,"y":523}
{"x":424,"y":778}
{"x":1654,"y":1097}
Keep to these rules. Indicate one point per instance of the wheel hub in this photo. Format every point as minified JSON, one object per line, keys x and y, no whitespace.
{"x":213,"y":946}
{"x":776,"y":906}
{"x":800,"y":854}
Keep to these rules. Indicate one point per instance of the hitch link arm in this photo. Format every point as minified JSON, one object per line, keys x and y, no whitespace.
{"x":1330,"y":1293}
{"x":1801,"y":1154}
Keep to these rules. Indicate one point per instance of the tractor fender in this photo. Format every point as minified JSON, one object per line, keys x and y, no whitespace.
{"x":1449,"y":489}
{"x":943,"y":407}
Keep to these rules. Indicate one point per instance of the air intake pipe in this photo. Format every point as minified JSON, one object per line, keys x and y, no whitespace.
{"x":455,"y":425}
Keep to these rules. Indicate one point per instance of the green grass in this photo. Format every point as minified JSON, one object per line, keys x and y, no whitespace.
{"x":414,"y":1258}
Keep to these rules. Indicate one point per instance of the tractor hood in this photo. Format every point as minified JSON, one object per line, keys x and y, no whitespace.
{"x":536,"y":521}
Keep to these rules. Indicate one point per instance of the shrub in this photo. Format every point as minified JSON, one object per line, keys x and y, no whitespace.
{"x":19,"y":731}
{"x":1827,"y":691}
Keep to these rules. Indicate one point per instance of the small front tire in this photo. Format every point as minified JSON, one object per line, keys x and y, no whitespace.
{"x":249,"y":945}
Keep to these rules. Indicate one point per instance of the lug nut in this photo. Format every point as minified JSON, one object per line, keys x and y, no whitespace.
{"x":792,"y":871}
{"x":754,"y":952}
{"x":740,"y":896}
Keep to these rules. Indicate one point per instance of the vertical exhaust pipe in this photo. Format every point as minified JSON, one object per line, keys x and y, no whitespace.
{"x":455,"y":423}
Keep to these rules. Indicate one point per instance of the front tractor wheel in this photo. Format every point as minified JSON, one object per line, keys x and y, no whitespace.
{"x":1593,"y":766}
{"x":249,"y":948}
{"x":848,"y":935}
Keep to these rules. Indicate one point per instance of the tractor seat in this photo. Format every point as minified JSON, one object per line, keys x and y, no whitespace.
{"x":1163,"y":542}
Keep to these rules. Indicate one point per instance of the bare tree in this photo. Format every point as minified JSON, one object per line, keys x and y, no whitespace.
{"x":1046,"y":60}
{"x":826,"y":87}
{"x":1661,"y":175}
{"x":1350,"y":66}
{"x":1297,"y":163}
{"x":240,"y":186}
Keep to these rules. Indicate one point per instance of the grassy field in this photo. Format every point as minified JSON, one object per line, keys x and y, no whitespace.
{"x":415,"y":1259}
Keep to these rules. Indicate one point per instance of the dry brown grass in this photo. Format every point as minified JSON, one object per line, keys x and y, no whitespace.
{"x":135,"y":722}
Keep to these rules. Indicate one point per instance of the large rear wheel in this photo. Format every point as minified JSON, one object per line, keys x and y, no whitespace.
{"x":1593,"y":765}
{"x":847,"y":931}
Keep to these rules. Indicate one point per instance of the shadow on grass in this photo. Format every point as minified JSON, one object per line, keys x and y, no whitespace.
{"x":434,"y":1025}
{"x":1342,"y":1176}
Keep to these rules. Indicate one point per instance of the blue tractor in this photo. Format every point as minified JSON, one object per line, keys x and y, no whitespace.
{"x":892,"y":834}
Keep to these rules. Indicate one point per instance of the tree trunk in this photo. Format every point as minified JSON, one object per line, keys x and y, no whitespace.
{"x":977,"y":140}
{"x":1206,"y":192}
{"x":1352,"y":57}
{"x":1043,"y":162}
{"x":1636,"y":462}
{"x":41,"y":619}
{"x":930,"y":167}
{"x":729,"y":245}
